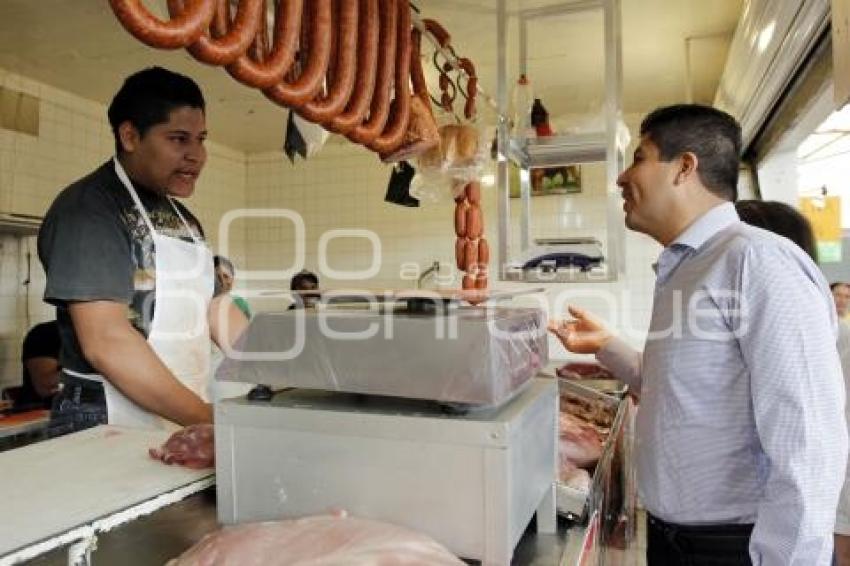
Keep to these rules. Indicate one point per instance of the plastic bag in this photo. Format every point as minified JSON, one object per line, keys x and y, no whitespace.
{"x":461,"y":157}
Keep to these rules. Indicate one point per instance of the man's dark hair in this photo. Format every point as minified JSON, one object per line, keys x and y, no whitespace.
{"x":832,"y":286}
{"x":710,"y":134}
{"x":298,"y":280}
{"x":781,"y":219}
{"x":148,"y":97}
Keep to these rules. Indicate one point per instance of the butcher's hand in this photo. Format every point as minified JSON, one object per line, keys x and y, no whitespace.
{"x":584,"y":334}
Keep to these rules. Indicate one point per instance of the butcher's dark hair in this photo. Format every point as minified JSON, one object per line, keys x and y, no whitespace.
{"x":148,"y":97}
{"x":781,"y":219}
{"x":832,"y":286}
{"x":712,"y":135}
{"x":298,"y":280}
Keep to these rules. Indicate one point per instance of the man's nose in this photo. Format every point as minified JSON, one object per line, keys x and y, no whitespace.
{"x":622,"y":179}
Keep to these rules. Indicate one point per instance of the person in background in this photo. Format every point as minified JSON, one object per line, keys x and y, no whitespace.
{"x":741,"y":443}
{"x":224,"y":276}
{"x":784,"y":220}
{"x":305,"y":282}
{"x":40,"y":367}
{"x":129,"y":272}
{"x":841,"y":296}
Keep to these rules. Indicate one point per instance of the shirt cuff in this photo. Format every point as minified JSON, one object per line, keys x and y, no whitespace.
{"x":622,"y":360}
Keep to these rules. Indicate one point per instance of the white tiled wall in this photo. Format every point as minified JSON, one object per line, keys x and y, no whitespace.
{"x":343,"y":188}
{"x":74,"y":138}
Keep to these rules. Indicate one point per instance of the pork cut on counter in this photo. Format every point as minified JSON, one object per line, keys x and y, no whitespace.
{"x":193,"y":447}
{"x":316,"y":541}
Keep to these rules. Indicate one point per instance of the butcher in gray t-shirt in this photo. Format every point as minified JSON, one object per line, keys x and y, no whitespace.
{"x":119,"y":251}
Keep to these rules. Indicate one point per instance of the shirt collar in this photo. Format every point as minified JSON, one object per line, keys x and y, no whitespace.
{"x":707,"y":225}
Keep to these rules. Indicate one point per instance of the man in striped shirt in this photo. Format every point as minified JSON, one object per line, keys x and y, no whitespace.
{"x":741,"y":441}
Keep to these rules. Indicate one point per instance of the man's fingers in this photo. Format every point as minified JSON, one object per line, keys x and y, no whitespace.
{"x":577,"y":312}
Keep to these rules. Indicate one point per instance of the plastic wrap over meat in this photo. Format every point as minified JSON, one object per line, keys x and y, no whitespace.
{"x":316,"y":541}
{"x":472,"y":355}
{"x":193,"y":447}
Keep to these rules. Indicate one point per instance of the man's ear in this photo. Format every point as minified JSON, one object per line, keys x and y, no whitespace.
{"x":128,"y":135}
{"x":688,"y":163}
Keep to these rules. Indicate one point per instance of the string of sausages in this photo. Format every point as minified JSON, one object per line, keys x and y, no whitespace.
{"x":344,"y":64}
{"x":471,"y":248}
{"x":464,"y":67}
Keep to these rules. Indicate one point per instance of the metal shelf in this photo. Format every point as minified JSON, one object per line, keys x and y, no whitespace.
{"x":556,"y":151}
{"x":607,"y":147}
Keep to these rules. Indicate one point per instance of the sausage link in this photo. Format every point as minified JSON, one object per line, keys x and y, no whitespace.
{"x":473,"y":192}
{"x":474,"y":222}
{"x":372,"y":128}
{"x":468,"y":282}
{"x":470,"y":255}
{"x":263,"y":70}
{"x":438,"y":31}
{"x":481,"y":282}
{"x":471,"y":92}
{"x":460,"y":253}
{"x":336,"y":30}
{"x":226,"y":42}
{"x":460,"y":219}
{"x":483,"y":252}
{"x":367,"y":65}
{"x":393,"y":135}
{"x":298,"y":93}
{"x":417,"y":74}
{"x":468,"y":67}
{"x":173,"y":34}
{"x":323,"y":110}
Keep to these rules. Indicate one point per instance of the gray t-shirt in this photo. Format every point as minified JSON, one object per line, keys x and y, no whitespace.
{"x":95,"y":245}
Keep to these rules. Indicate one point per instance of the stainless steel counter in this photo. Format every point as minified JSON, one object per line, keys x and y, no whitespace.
{"x":165,"y":534}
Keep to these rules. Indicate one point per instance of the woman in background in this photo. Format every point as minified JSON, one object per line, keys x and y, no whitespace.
{"x":224,"y":274}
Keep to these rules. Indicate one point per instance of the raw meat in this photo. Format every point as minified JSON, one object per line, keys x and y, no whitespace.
{"x":573,"y":477}
{"x":583,"y":370}
{"x":580,"y":443}
{"x":193,"y":447}
{"x":317,"y":541}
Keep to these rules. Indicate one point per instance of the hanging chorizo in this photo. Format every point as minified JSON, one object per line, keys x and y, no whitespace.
{"x":367,"y":65}
{"x":309,"y":82}
{"x":264,"y":69}
{"x":324,"y":109}
{"x":374,"y":125}
{"x":227,"y":40}
{"x":173,"y":34}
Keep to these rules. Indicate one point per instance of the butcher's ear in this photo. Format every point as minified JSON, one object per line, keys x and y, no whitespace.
{"x":128,"y":136}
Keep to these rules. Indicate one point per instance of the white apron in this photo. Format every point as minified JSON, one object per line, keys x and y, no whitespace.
{"x":179,"y":331}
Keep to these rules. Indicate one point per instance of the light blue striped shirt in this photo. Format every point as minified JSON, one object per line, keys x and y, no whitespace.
{"x":741,"y":415}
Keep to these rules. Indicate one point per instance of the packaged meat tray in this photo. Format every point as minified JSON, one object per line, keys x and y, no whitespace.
{"x":467,"y":355}
{"x":588,"y":425}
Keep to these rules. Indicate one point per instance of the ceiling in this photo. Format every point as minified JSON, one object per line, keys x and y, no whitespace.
{"x":78,"y":46}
